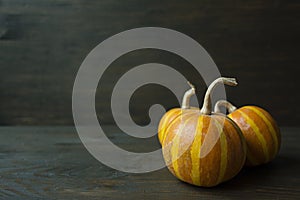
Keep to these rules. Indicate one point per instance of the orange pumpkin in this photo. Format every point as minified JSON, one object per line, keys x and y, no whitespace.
{"x":199,"y":147}
{"x":175,"y":113}
{"x":260,"y":130}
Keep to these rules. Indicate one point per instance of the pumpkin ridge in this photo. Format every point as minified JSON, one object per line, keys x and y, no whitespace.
{"x":270,"y":127}
{"x":175,"y":148}
{"x":257,"y":132}
{"x":224,"y":151}
{"x":164,"y":125}
{"x":195,"y":153}
{"x":171,"y":124}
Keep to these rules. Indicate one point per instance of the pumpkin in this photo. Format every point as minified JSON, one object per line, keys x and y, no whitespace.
{"x":260,"y":130}
{"x":199,"y":147}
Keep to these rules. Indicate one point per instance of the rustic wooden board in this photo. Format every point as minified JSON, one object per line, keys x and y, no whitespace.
{"x":42,"y":44}
{"x":51,"y":163}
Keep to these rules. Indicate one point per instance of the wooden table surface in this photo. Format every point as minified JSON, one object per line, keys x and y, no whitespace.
{"x":52,"y":163}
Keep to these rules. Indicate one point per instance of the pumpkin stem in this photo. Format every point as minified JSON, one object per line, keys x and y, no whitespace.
{"x":187,"y":96}
{"x":226,"y":104}
{"x":207,"y":107}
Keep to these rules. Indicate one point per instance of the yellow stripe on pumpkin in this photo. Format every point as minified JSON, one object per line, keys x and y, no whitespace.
{"x":257,"y":132}
{"x":168,"y":126}
{"x":224,"y":150}
{"x":195,"y":152}
{"x":165,"y":125}
{"x":175,"y":149}
{"x":269,"y":124}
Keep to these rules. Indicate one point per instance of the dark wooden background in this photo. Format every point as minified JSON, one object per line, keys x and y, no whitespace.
{"x":42,"y":44}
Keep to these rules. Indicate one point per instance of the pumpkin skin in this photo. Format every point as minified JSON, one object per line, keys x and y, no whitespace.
{"x":261,"y":133}
{"x":168,"y":118}
{"x":182,"y":135}
{"x":199,"y":147}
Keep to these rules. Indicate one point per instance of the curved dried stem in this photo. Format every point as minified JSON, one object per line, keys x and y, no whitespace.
{"x":187,"y":96}
{"x":207,"y":107}
{"x":226,"y":104}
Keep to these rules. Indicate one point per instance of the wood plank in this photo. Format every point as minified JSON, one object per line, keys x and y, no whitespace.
{"x":51,"y":163}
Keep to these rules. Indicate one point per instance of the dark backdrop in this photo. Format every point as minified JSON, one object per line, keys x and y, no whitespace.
{"x":42,"y":44}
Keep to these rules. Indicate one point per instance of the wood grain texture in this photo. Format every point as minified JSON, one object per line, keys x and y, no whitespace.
{"x":42,"y":44}
{"x":51,"y":163}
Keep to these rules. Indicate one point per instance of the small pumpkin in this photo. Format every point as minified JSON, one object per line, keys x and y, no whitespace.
{"x":199,"y":147}
{"x":260,"y":130}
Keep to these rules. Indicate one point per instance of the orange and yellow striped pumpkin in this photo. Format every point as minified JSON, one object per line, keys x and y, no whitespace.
{"x":260,"y":130}
{"x":201,"y":148}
